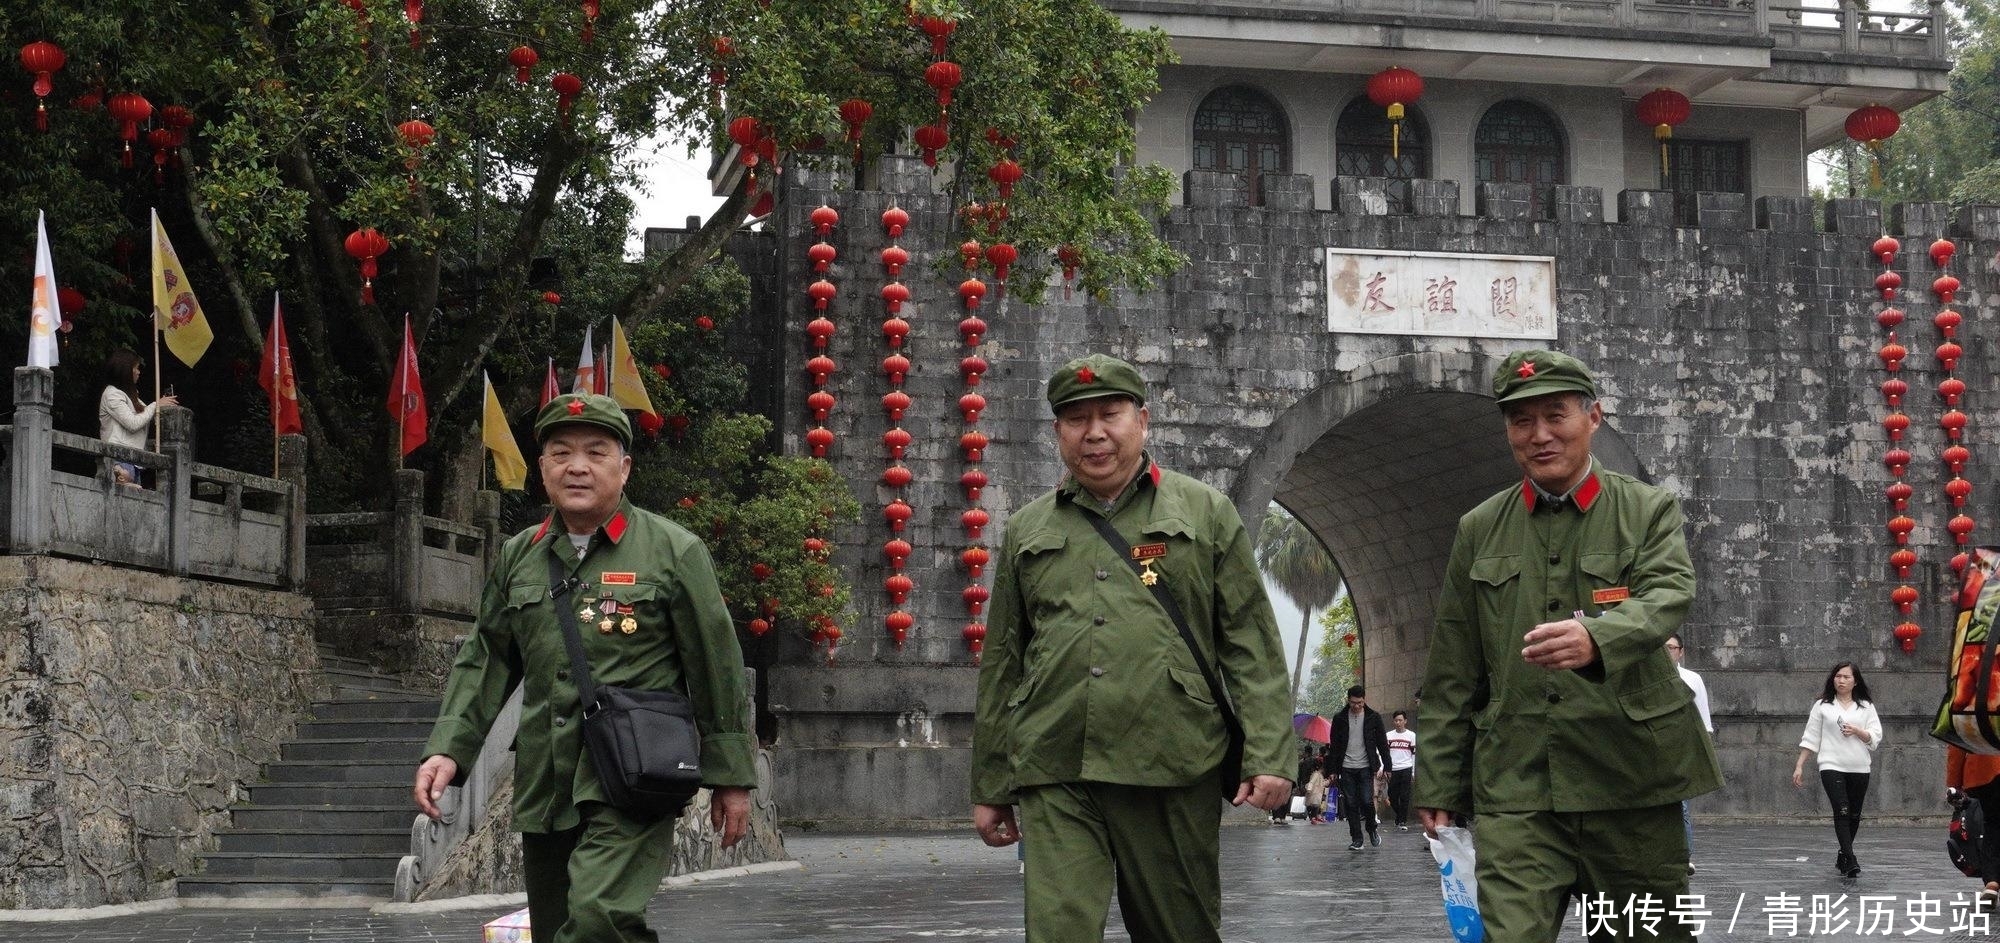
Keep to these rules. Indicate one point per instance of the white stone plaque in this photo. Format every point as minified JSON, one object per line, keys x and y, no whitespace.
{"x":1450,"y":294}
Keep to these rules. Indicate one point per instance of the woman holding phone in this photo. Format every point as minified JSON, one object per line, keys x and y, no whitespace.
{"x":1843,"y":731}
{"x":122,"y":417}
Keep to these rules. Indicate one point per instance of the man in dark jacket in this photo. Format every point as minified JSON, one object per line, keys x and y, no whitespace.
{"x":1357,"y":756}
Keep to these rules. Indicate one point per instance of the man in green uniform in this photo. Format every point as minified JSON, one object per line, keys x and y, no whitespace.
{"x":1551,"y":709}
{"x":651,"y":617}
{"x":1093,"y":715}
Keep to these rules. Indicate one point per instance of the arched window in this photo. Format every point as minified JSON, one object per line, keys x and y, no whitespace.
{"x":1241,"y":130}
{"x":1361,"y":142}
{"x":1520,"y":143}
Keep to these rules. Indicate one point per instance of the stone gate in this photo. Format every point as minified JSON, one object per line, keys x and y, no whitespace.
{"x":1735,"y":347}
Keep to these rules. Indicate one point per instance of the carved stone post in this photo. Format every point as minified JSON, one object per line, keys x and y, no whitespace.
{"x":177,"y":444}
{"x":29,"y":514}
{"x":406,"y":541}
{"x":486,"y":517}
{"x":292,"y":468}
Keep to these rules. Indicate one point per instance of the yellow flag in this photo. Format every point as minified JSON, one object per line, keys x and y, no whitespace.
{"x":176,"y":313}
{"x":626,"y":386}
{"x":509,"y":468}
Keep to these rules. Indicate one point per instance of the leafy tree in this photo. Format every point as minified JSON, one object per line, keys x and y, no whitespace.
{"x":1336,"y":662}
{"x":1297,"y":563}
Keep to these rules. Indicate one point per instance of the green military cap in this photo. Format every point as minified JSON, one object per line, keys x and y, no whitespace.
{"x":1528,"y":373}
{"x":1094,"y":376}
{"x":588,"y":409}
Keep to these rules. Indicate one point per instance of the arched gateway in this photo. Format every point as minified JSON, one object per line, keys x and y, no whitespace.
{"x":1735,"y":346}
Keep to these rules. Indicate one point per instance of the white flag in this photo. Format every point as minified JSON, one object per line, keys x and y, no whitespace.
{"x":43,"y":317}
{"x":586,"y":366}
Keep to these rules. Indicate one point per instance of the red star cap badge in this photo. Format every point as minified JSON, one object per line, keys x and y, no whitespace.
{"x":576,"y":407}
{"x":1083,"y":375}
{"x":1527,"y":369}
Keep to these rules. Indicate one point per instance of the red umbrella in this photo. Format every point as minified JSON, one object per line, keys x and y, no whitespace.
{"x":1313,"y":727}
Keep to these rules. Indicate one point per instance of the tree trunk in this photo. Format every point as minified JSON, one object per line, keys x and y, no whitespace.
{"x":1299,"y":663}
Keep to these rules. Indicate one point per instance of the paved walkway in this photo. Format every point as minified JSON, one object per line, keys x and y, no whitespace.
{"x":1290,"y":884}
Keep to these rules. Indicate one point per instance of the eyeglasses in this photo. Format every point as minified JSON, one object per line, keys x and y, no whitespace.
{"x":1672,"y":647}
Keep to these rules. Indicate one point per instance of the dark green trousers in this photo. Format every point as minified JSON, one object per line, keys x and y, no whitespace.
{"x":1532,"y":864}
{"x":591,"y":883}
{"x":1157,"y":844}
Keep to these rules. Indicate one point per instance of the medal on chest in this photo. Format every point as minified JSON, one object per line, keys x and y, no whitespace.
{"x":1146,"y":554}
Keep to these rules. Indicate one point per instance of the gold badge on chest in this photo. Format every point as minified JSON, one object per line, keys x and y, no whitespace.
{"x":1146,"y":554}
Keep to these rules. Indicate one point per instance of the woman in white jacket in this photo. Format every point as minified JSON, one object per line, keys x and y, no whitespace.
{"x":1844,"y":731}
{"x":122,"y":418}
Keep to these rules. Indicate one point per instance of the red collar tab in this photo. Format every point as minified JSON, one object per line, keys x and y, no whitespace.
{"x":543,"y":531}
{"x":1585,"y":494}
{"x":615,"y":527}
{"x":1153,"y":472}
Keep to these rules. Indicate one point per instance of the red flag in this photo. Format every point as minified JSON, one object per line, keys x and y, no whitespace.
{"x":600,"y":379}
{"x":276,"y":376}
{"x":406,"y":394}
{"x":551,"y":387}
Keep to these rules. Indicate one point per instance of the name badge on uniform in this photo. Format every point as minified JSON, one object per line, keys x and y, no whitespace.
{"x":1609,"y":595}
{"x":1146,"y":554}
{"x":618,"y":579}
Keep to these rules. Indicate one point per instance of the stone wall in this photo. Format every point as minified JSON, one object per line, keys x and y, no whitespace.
{"x":1735,"y":341}
{"x":417,"y":649}
{"x":131,"y":706}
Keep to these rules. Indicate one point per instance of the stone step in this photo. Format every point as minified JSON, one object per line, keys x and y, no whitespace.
{"x":384,"y":728}
{"x":307,"y":866}
{"x":351,"y":771}
{"x":323,"y":818}
{"x":311,"y":841}
{"x":359,"y":748}
{"x":231,"y":887}
{"x":329,"y":795}
{"x":364,"y":681}
{"x":382,"y":706}
{"x":330,"y":661}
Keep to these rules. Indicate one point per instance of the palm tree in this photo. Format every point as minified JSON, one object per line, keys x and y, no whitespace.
{"x":1294,"y":559}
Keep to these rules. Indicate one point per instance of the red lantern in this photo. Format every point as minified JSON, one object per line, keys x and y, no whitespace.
{"x":1953,"y":423}
{"x":679,"y":422}
{"x":1961,"y":528}
{"x":1955,"y":457}
{"x":894,"y":219}
{"x":1951,"y":389}
{"x":895,"y":293}
{"x":943,"y":76}
{"x":1004,"y":174}
{"x":650,"y":424}
{"x":1886,"y":248}
{"x":821,"y":403}
{"x":972,"y":329}
{"x":973,"y":481}
{"x":974,"y":558}
{"x":759,"y":626}
{"x":898,"y":587}
{"x":366,"y":245}
{"x":44,"y":59}
{"x":895,"y":402}
{"x":1892,"y":355}
{"x":746,"y":132}
{"x":896,"y":367}
{"x":1071,"y":257}
{"x":1957,"y":489}
{"x":822,"y":255}
{"x":1393,"y":88}
{"x":972,"y":368}
{"x":1887,"y":283}
{"x":1897,"y":460}
{"x":973,"y":444}
{"x":897,"y":514}
{"x":815,"y":547}
{"x":128,"y":109}
{"x":975,"y":638}
{"x":1893,"y":389}
{"x":939,"y":29}
{"x":855,"y":113}
{"x":417,"y":135}
{"x":1001,"y":255}
{"x":897,"y":550}
{"x":820,"y":439}
{"x":1959,"y":560}
{"x":1947,"y":322}
{"x":161,"y":141}
{"x":760,"y":571}
{"x":1899,"y":493}
{"x":1941,"y":252}
{"x":971,"y":290}
{"x":1900,"y":527}
{"x":414,"y":10}
{"x":822,"y":292}
{"x":1944,"y":287}
{"x":974,"y":519}
{"x":704,"y":322}
{"x":1906,"y":634}
{"x":718,"y":74}
{"x":1871,"y":126}
{"x":567,"y":87}
{"x":896,"y":440}
{"x":898,"y":623}
{"x":820,"y":367}
{"x":1948,"y":354}
{"x":975,"y":597}
{"x":1663,"y":108}
{"x":1895,"y":423}
{"x":893,"y":259}
{"x":894,"y":330}
{"x":969,"y":252}
{"x":931,"y":138}
{"x":970,"y":405}
{"x":1889,"y":318}
{"x":896,"y":476}
{"x":824,"y":218}
{"x":70,"y":302}
{"x":591,"y":10}
{"x":1905,"y":598}
{"x":523,"y":59}
{"x":1903,"y":560}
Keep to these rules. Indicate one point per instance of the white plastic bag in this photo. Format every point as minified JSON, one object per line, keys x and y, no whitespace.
{"x":1298,"y":805}
{"x":1453,"y":851}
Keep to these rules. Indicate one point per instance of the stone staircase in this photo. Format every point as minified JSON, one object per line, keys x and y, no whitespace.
{"x":332,"y":817}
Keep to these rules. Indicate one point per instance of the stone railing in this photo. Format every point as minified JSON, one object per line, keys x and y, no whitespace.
{"x":202,"y":521}
{"x":1846,"y":30}
{"x":416,"y":563}
{"x":465,"y":807}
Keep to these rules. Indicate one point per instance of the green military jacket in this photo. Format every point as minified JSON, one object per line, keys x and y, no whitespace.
{"x":1502,"y":735}
{"x":1085,"y":677}
{"x":655,"y":573}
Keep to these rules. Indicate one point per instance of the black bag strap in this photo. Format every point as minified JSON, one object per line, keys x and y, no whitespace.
{"x":561,"y":586}
{"x":1166,"y":601}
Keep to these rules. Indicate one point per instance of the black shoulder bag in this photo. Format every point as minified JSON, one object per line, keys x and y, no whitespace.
{"x":643,"y":744}
{"x":1232,"y":756}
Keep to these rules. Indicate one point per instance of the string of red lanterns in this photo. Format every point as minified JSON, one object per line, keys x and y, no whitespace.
{"x":820,"y":403}
{"x":1951,"y":389}
{"x":1896,"y":423}
{"x":972,"y":443}
{"x":366,"y":245}
{"x":895,"y":404}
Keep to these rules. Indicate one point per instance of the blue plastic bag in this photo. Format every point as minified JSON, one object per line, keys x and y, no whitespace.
{"x":1453,"y":851}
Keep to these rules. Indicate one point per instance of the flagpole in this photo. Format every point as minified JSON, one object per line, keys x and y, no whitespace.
{"x":156,"y":378}
{"x":277,"y":376}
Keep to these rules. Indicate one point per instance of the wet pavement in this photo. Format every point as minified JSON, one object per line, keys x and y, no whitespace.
{"x":1283,"y":884}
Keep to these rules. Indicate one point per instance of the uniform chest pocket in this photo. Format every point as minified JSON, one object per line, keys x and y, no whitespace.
{"x":526,"y":595}
{"x":1607,"y":568}
{"x":1496,"y":571}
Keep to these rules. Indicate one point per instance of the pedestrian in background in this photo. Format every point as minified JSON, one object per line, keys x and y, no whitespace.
{"x":122,"y":417}
{"x":1095,"y":712}
{"x":1358,"y":756}
{"x":1977,"y":777}
{"x":1842,"y":732}
{"x":1700,"y":689}
{"x":1316,"y":797}
{"x":1402,"y":767}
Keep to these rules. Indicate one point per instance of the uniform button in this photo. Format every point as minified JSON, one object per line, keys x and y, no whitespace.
{"x":1099,"y":620}
{"x":1553,"y":697}
{"x":1555,"y":606}
{"x":1103,"y":575}
{"x":562,"y":675}
{"x":1097,"y":672}
{"x":562,"y":722}
{"x":1554,"y":559}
